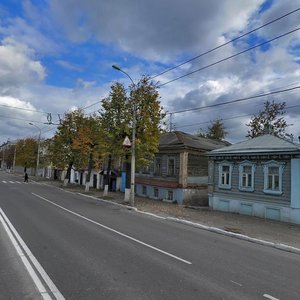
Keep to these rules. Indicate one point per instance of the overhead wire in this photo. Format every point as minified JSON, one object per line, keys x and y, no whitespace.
{"x":224,"y":44}
{"x":22,"y":108}
{"x":231,"y":118}
{"x":231,"y":56}
{"x":236,"y":100}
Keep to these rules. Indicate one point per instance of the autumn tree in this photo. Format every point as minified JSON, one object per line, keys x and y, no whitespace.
{"x":89,"y":143}
{"x":61,"y":149}
{"x":144,"y":98}
{"x":269,"y":120}
{"x":216,"y":130}
{"x":117,"y":118}
{"x":26,"y":152}
{"x":8,"y":154}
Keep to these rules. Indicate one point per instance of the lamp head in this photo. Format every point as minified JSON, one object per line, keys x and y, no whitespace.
{"x":116,"y":67}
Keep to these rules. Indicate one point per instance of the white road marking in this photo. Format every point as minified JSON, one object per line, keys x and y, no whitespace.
{"x":11,"y":182}
{"x":115,"y":231}
{"x":21,"y":247}
{"x":239,"y":284}
{"x":270,"y":297}
{"x":4,"y":181}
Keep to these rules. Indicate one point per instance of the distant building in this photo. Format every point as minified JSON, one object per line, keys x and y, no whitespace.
{"x":179,"y":172}
{"x":258,"y":177}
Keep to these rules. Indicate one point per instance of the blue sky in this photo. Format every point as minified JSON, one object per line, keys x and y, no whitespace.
{"x":57,"y":55}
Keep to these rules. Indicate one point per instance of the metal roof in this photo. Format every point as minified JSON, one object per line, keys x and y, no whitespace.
{"x":261,"y":144}
{"x":179,"y":139}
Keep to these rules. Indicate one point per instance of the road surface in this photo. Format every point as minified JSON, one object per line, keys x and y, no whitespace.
{"x":89,"y":249}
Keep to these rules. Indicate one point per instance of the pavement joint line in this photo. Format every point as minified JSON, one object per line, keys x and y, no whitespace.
{"x":279,"y":246}
{"x":14,"y":236}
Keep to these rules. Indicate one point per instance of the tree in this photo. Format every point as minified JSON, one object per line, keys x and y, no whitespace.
{"x":89,"y":143}
{"x":117,"y":119}
{"x":78,"y":142}
{"x":61,"y":149}
{"x":270,"y":120}
{"x":144,"y":97}
{"x":215,"y":131}
{"x":26,"y":152}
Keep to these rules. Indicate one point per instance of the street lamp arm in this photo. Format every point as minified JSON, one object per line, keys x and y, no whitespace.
{"x":40,"y":130}
{"x":119,"y":69}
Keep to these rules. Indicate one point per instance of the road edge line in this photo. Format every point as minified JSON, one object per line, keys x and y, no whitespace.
{"x":39,"y":285}
{"x":54,"y":290}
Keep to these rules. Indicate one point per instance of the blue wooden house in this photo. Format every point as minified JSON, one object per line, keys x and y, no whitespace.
{"x":258,"y":177}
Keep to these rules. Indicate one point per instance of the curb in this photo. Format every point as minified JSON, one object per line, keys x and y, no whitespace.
{"x":278,"y":246}
{"x":237,"y":235}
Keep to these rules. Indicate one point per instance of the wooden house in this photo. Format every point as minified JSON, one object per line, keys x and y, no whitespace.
{"x":179,"y":172}
{"x":258,"y":177}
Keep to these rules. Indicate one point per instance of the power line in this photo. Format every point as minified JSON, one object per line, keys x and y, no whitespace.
{"x":26,"y":109}
{"x":8,"y":117}
{"x":222,"y":45}
{"x":232,"y":56}
{"x":231,"y":118}
{"x":236,"y":100}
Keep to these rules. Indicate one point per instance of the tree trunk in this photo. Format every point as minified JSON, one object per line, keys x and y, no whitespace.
{"x":68,"y":175}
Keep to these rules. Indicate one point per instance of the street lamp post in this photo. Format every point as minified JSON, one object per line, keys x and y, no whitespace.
{"x":38,"y":152}
{"x":132,"y":173}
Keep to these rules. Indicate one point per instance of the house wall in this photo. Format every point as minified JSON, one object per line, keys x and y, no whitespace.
{"x":188,"y":196}
{"x":258,"y":183}
{"x":285,"y":207}
{"x":189,"y":184}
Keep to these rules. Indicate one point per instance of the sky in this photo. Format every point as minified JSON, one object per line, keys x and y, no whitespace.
{"x":56,"y":56}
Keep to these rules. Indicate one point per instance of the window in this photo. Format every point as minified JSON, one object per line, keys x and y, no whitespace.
{"x":171,"y":166}
{"x":170,"y":195}
{"x":246,"y":176}
{"x":155,"y":193}
{"x":225,"y":170}
{"x":144,"y":190}
{"x":273,"y":177}
{"x":157,"y":166}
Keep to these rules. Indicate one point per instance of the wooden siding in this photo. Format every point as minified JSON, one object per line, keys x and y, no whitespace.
{"x":197,"y":165}
{"x":164,"y":165}
{"x":257,"y":194}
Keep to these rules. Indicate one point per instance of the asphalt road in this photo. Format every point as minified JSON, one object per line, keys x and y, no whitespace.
{"x":95,"y":250}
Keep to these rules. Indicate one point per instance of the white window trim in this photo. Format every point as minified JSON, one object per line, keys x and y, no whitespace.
{"x":246,"y":163}
{"x":228,"y":164}
{"x":266,"y":166}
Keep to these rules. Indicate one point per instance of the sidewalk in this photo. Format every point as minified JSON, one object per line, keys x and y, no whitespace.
{"x":272,"y":232}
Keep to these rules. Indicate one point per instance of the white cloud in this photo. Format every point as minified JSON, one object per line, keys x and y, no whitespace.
{"x":147,"y":36}
{"x":154,"y":29}
{"x":69,"y":66}
{"x":17,"y":65}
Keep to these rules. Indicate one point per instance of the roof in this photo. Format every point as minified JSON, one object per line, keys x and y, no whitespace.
{"x":261,"y":144}
{"x":179,"y":139}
